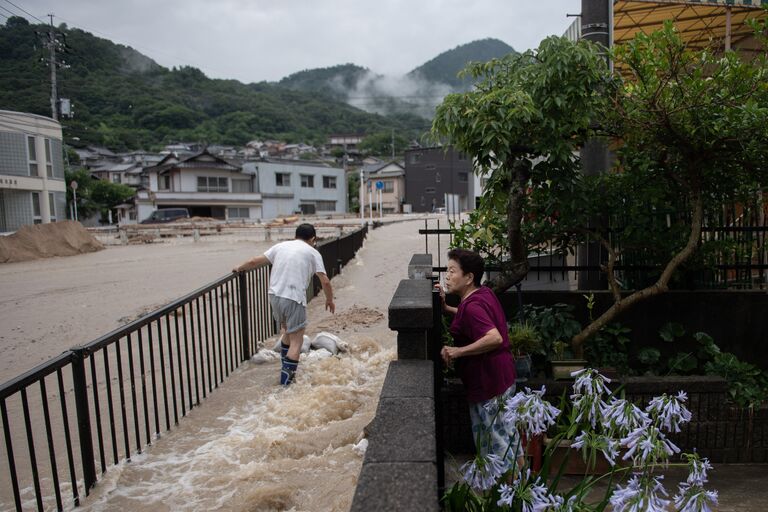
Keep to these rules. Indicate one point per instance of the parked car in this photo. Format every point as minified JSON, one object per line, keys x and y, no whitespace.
{"x":166,"y":215}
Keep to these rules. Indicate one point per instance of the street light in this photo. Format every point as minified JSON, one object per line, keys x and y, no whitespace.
{"x":74,"y":196}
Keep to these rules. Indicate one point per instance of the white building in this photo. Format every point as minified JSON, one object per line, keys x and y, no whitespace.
{"x":208,"y":186}
{"x":293,"y":186}
{"x":32,"y":186}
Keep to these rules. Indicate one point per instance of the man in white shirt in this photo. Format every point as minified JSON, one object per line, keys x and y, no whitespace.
{"x":293,"y":264}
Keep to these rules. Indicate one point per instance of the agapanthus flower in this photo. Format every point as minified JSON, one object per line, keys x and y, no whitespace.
{"x":588,"y":391}
{"x":533,"y":495}
{"x":694,"y":499}
{"x":539,"y":499}
{"x":640,"y":496}
{"x":529,"y":412}
{"x":608,"y":446}
{"x":482,"y":473}
{"x":648,"y":445}
{"x":691,"y":495}
{"x":568,"y":506}
{"x":698,"y":469}
{"x":622,"y":416}
{"x":492,"y":406}
{"x":589,"y":382}
{"x":588,"y":408}
{"x":506,"y":495}
{"x":669,"y":411}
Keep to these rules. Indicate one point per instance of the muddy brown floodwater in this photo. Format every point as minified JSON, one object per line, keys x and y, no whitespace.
{"x":252,"y":445}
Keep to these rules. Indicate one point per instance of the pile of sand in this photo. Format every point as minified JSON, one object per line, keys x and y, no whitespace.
{"x":32,"y":242}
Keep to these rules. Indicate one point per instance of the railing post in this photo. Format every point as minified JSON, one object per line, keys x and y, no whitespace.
{"x":83,"y":417}
{"x":244,"y":327}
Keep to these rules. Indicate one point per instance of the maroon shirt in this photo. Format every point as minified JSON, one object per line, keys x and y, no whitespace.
{"x":490,"y":374}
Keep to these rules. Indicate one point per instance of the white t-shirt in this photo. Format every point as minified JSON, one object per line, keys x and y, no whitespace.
{"x":293,"y":264}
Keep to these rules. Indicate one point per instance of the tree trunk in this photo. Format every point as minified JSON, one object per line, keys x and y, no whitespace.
{"x":514,"y":270}
{"x":659,"y":287}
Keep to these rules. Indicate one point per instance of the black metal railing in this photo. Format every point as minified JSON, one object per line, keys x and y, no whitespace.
{"x":741,"y":263}
{"x":98,"y":404}
{"x":336,"y":253}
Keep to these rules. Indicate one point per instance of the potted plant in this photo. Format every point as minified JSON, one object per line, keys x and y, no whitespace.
{"x":524,"y":340}
{"x":562,"y":362}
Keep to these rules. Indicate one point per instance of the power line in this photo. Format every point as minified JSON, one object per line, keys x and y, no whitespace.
{"x":22,"y":10}
{"x":10,"y":11}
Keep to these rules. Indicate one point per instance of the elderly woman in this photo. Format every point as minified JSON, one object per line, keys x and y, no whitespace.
{"x":481,"y":354}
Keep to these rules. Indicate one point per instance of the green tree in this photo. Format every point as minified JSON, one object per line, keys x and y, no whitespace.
{"x":533,"y":107}
{"x":353,"y":191}
{"x":688,"y":127}
{"x":380,"y":144}
{"x":95,"y":195}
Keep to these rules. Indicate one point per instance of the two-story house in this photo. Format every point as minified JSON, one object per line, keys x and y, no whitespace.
{"x":391,"y":175}
{"x":295,"y":186}
{"x":32,"y":187}
{"x":207,"y":185}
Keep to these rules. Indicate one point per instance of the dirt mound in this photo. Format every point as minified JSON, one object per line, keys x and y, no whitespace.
{"x":354,"y":316}
{"x":32,"y":242}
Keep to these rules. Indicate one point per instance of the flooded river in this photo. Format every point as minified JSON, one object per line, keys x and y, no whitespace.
{"x":253,"y":445}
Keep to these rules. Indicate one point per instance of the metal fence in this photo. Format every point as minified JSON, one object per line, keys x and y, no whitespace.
{"x":97,"y":405}
{"x":738,"y":258}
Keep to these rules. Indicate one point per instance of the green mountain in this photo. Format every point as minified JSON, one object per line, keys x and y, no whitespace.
{"x":418,"y":92}
{"x":445,"y":67}
{"x":334,"y":81}
{"x":124,"y":100}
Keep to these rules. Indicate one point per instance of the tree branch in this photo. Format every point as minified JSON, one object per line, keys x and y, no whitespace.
{"x":659,"y":287}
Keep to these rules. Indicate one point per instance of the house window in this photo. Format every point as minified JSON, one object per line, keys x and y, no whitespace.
{"x":164,"y":182}
{"x":437,"y":177}
{"x":238,"y":213}
{"x":307,"y":208}
{"x":212,"y":184}
{"x":242,"y":186}
{"x":132,"y":215}
{"x":117,"y":179}
{"x":462,"y":156}
{"x":307,"y":181}
{"x":48,"y":161}
{"x":32,"y":156}
{"x":329,"y":181}
{"x":463,"y":177}
{"x":429,"y":190}
{"x":52,"y":206}
{"x":389,"y":186}
{"x":282,"y":179}
{"x":415,"y":158}
{"x":483,"y":183}
{"x":36,"y":218}
{"x":326,"y":206}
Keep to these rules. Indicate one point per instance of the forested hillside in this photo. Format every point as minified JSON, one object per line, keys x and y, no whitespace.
{"x":445,"y":67}
{"x":124,"y":100}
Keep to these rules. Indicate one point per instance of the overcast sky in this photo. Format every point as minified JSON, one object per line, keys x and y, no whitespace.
{"x":255,"y":40}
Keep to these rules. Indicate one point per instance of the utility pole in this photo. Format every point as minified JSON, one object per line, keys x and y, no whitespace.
{"x":393,"y":144}
{"x":596,"y":26}
{"x":52,"y":48}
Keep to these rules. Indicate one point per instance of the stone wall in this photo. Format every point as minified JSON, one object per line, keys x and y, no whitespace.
{"x":403,"y":465}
